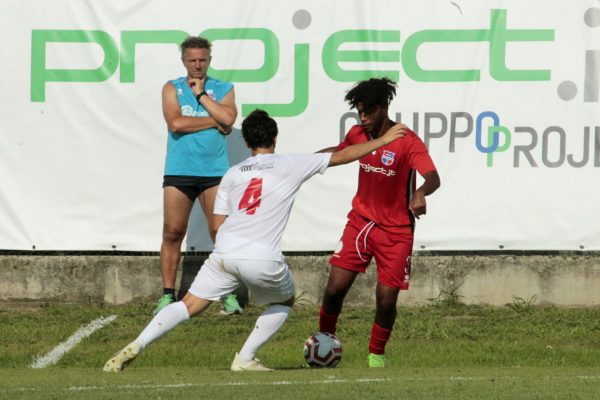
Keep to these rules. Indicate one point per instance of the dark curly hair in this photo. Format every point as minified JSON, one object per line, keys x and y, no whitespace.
{"x":371,"y":93}
{"x":194,"y":42}
{"x":259,"y":130}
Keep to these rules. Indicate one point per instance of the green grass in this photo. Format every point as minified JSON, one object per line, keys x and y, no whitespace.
{"x":443,"y":351}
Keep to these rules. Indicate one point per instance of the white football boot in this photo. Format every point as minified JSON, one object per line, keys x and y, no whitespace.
{"x":120,"y":360}
{"x":252,"y":365}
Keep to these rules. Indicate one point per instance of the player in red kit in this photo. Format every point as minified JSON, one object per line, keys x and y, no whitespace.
{"x":382,"y":220}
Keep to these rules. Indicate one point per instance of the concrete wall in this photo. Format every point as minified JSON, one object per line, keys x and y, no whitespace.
{"x":558,"y":279}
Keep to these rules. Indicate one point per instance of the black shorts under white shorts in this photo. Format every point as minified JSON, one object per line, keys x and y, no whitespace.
{"x":191,"y":186}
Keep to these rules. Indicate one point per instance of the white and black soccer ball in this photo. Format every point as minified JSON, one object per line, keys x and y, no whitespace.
{"x":323,"y":350}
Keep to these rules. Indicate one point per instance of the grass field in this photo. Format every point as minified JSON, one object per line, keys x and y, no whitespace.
{"x":442,"y":351}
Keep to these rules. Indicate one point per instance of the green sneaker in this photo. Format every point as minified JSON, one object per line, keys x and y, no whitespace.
{"x":230,"y":305}
{"x":376,"y":360}
{"x":164,"y":301}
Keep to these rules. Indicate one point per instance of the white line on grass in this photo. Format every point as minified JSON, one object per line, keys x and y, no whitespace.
{"x":299,"y":382}
{"x":60,"y":350}
{"x":242,"y":383}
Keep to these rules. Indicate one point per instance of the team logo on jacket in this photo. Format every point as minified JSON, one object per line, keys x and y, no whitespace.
{"x":387,"y":158}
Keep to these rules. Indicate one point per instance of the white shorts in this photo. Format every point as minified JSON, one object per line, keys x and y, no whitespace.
{"x":269,"y":281}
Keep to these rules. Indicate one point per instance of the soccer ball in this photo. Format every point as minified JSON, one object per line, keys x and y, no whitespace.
{"x":323,"y":350}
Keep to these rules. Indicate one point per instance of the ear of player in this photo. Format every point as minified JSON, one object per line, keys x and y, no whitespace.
{"x":322,"y":349}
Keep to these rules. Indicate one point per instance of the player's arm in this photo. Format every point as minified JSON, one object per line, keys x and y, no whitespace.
{"x":417,"y":204}
{"x":356,"y":151}
{"x":218,"y":220}
{"x":224,"y":113}
{"x":220,"y":209}
{"x":178,"y":123}
{"x":327,"y":150}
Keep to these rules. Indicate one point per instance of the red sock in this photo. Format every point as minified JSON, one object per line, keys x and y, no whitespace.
{"x":327,"y":322}
{"x":379,"y":338}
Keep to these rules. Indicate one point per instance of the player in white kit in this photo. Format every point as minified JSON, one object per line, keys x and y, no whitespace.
{"x":252,"y":209}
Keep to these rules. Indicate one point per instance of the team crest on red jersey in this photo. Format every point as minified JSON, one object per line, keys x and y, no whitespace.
{"x":387,"y":158}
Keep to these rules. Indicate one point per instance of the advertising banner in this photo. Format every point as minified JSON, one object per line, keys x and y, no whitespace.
{"x":504,"y":93}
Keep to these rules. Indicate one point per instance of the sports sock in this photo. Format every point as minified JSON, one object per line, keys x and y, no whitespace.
{"x":379,"y":338}
{"x":327,"y":322}
{"x":169,"y":291}
{"x":166,"y":319}
{"x":266,"y":326}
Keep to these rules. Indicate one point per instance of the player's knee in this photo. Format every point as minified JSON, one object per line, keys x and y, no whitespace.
{"x":387,"y":303}
{"x":173,"y":234}
{"x":334,"y":293}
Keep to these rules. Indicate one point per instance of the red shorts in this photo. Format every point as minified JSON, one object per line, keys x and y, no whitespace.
{"x":363,"y":240}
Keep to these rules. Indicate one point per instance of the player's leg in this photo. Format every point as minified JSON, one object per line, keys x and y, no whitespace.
{"x":177,"y":207}
{"x":229,"y":303}
{"x":339,"y":283}
{"x":381,"y":330}
{"x":171,"y":316}
{"x":266,"y":326}
{"x":209,"y":284}
{"x":166,"y":319}
{"x":350,"y":258}
{"x":392,"y":253}
{"x":386,"y":298}
{"x":270,"y":283}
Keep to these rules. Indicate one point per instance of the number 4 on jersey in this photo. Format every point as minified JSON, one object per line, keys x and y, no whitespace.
{"x":250,"y":201}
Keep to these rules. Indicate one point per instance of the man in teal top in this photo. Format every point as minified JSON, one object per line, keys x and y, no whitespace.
{"x":183,"y":148}
{"x":199,"y":111}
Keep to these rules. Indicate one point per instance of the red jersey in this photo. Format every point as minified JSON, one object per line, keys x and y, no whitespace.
{"x":387,"y":179}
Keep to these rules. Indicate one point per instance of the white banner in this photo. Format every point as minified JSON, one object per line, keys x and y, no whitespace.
{"x":504,"y":93}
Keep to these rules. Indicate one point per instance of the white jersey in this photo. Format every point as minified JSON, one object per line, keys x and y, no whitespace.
{"x":257,"y":196}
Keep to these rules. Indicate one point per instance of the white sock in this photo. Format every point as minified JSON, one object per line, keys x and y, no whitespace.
{"x":166,"y":319}
{"x":266,"y":326}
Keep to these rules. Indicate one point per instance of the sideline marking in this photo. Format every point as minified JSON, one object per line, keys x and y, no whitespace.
{"x":242,"y":383}
{"x":60,"y":350}
{"x":322,"y":381}
{"x":579,"y":378}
